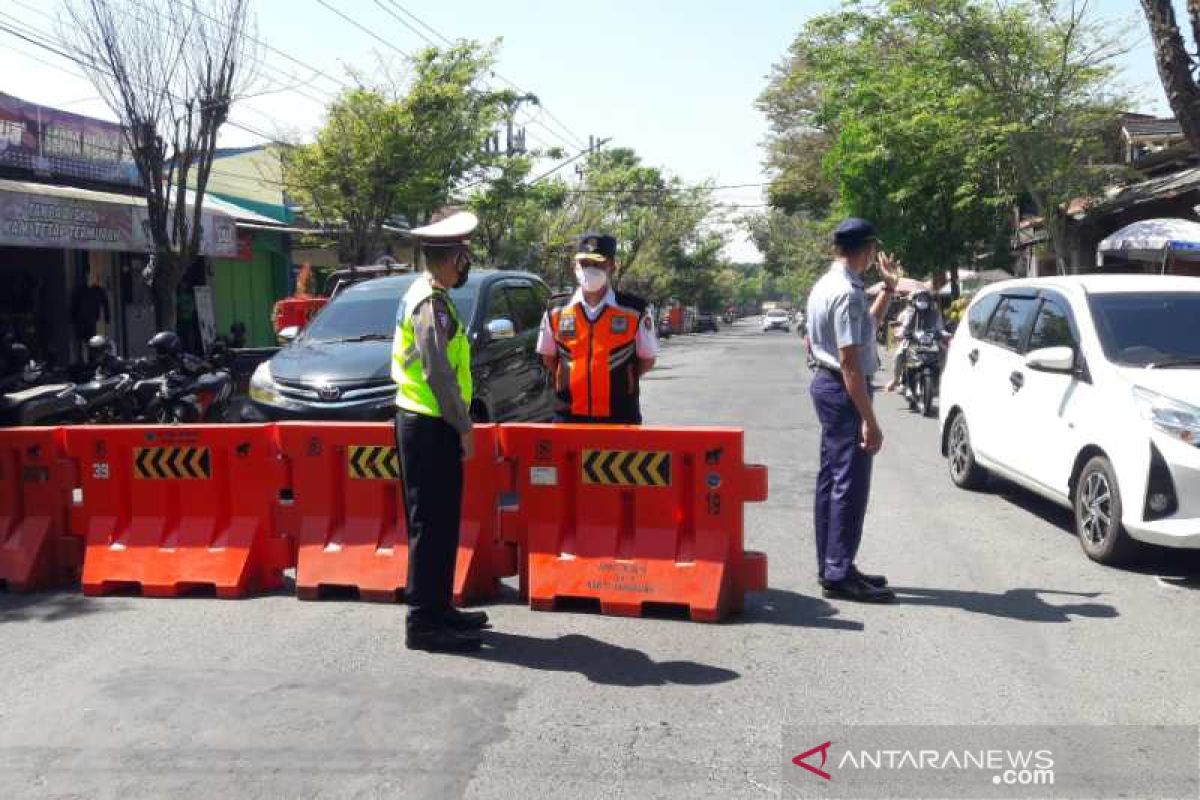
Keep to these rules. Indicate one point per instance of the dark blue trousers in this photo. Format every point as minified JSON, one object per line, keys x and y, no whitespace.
{"x":844,"y":480}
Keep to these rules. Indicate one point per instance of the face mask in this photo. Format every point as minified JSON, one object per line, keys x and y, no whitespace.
{"x":591,"y":279}
{"x":921,"y":305}
{"x":463,"y":271}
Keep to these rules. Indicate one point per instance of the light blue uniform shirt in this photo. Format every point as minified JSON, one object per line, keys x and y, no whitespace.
{"x":839,"y":316}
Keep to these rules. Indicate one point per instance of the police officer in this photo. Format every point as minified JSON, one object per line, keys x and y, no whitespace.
{"x":841,"y":331}
{"x":431,"y":364}
{"x":599,"y":344}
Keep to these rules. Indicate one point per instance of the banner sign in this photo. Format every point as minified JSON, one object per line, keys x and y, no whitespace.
{"x":33,"y":220}
{"x":59,"y":143}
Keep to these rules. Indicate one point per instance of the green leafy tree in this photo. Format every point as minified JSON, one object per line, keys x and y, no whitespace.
{"x":396,"y":154}
{"x":936,"y":115}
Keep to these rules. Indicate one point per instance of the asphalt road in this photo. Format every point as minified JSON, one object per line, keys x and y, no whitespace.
{"x":1000,"y":620}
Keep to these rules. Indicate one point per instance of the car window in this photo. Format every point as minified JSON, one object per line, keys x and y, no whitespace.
{"x":1052,"y":327}
{"x":1143,"y":328}
{"x":980,"y":313}
{"x":525,"y":306}
{"x":497,"y":305}
{"x":542,"y":293}
{"x":1011,"y":320}
{"x":355,"y":315}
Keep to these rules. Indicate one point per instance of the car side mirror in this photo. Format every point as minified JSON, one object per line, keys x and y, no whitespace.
{"x":289,"y":333}
{"x":1052,"y":359}
{"x":501,"y":329}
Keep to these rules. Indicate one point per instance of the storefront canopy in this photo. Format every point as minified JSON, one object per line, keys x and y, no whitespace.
{"x":1153,"y":240}
{"x":67,"y":218}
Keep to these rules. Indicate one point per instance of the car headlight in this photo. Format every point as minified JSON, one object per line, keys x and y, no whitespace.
{"x":262,"y":386}
{"x":1172,"y":417}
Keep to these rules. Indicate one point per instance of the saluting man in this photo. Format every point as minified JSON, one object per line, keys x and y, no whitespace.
{"x":841,"y":328}
{"x":431,"y":364}
{"x":599,"y":344}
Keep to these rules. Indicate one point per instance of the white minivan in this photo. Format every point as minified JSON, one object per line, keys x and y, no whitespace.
{"x":1084,"y":389}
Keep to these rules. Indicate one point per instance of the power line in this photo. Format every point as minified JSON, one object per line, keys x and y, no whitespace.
{"x":100,"y":68}
{"x":578,"y":140}
{"x":366,"y":30}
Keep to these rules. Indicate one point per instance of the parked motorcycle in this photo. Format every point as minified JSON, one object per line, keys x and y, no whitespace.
{"x":29,"y":395}
{"x":109,"y":394}
{"x":922,"y":372}
{"x":189,"y":389}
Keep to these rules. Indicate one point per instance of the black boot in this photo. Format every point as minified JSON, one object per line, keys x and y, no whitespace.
{"x":878,"y":581}
{"x":466,"y":620}
{"x":851,"y":588}
{"x":442,"y":640}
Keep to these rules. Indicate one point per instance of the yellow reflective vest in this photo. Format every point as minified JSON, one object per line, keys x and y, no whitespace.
{"x":413,"y":391}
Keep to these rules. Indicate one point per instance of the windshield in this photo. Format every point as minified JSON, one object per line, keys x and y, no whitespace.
{"x":776,"y":313}
{"x":1147,"y":329}
{"x":368,"y":315}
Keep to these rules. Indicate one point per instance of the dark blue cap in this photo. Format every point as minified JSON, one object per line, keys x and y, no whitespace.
{"x":596,"y":247}
{"x":854,"y":233}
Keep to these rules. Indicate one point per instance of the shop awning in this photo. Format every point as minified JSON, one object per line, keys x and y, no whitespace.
{"x":68,"y":218}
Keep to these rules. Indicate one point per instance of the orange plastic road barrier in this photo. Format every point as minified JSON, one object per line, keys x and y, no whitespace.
{"x":630,"y":516}
{"x":171,"y":509}
{"x":347,"y":512}
{"x":36,"y":549}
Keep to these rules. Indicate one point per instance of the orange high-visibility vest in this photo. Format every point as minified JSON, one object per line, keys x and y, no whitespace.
{"x":597,"y":378}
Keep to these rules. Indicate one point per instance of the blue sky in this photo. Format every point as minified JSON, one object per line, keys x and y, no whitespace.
{"x":675,"y":80}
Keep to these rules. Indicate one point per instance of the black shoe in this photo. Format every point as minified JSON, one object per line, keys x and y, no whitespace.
{"x":850,"y":588}
{"x":466,"y":620}
{"x":442,"y":640}
{"x":878,"y":581}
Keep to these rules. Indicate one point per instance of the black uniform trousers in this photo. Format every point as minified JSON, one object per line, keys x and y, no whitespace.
{"x":432,"y":469}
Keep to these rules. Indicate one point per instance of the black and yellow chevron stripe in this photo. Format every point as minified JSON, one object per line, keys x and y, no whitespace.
{"x":172,"y":463}
{"x":373,"y":463}
{"x":626,"y":468}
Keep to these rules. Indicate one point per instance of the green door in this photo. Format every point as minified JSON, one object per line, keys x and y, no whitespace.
{"x":245,"y":292}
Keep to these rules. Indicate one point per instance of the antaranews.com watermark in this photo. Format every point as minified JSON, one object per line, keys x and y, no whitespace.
{"x":966,"y":762}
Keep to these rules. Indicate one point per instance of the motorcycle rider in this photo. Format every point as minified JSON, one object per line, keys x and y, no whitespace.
{"x":921,"y":316}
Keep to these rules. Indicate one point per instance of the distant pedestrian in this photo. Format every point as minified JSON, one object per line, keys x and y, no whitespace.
{"x":841,"y":330}
{"x":599,"y":344}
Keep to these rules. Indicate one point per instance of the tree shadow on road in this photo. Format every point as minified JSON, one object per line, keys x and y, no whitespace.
{"x":599,"y":662}
{"x":1025,"y":605}
{"x":51,"y":606}
{"x":780,"y":607}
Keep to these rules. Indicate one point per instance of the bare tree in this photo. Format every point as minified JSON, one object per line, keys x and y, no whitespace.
{"x":1176,"y":64}
{"x":170,"y":72}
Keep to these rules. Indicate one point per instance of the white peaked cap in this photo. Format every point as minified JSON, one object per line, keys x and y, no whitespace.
{"x":454,"y":229}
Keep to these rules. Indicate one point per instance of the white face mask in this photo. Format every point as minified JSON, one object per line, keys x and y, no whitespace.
{"x":591,"y":279}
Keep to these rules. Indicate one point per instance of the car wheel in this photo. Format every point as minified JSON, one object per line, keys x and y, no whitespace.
{"x":1098,"y":514}
{"x":965,"y":472}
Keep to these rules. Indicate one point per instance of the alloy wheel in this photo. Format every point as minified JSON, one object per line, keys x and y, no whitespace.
{"x":1095,"y":508}
{"x":960,"y":448}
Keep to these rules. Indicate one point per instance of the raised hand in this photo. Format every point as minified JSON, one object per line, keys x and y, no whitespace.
{"x":890,"y":269}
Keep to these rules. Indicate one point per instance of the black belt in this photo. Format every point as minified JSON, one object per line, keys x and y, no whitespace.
{"x":837,"y":373}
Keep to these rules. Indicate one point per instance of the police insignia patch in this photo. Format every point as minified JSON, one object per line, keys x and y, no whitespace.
{"x":620,"y":325}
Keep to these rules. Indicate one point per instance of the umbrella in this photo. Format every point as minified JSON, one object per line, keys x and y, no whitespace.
{"x":905,"y":286}
{"x":1153,"y":240}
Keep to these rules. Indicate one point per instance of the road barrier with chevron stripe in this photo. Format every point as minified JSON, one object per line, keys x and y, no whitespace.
{"x":172,"y":463}
{"x":634,"y":517}
{"x":171,"y":509}
{"x":626,"y":468}
{"x":36,"y":479}
{"x":347,"y":513}
{"x":629,"y":517}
